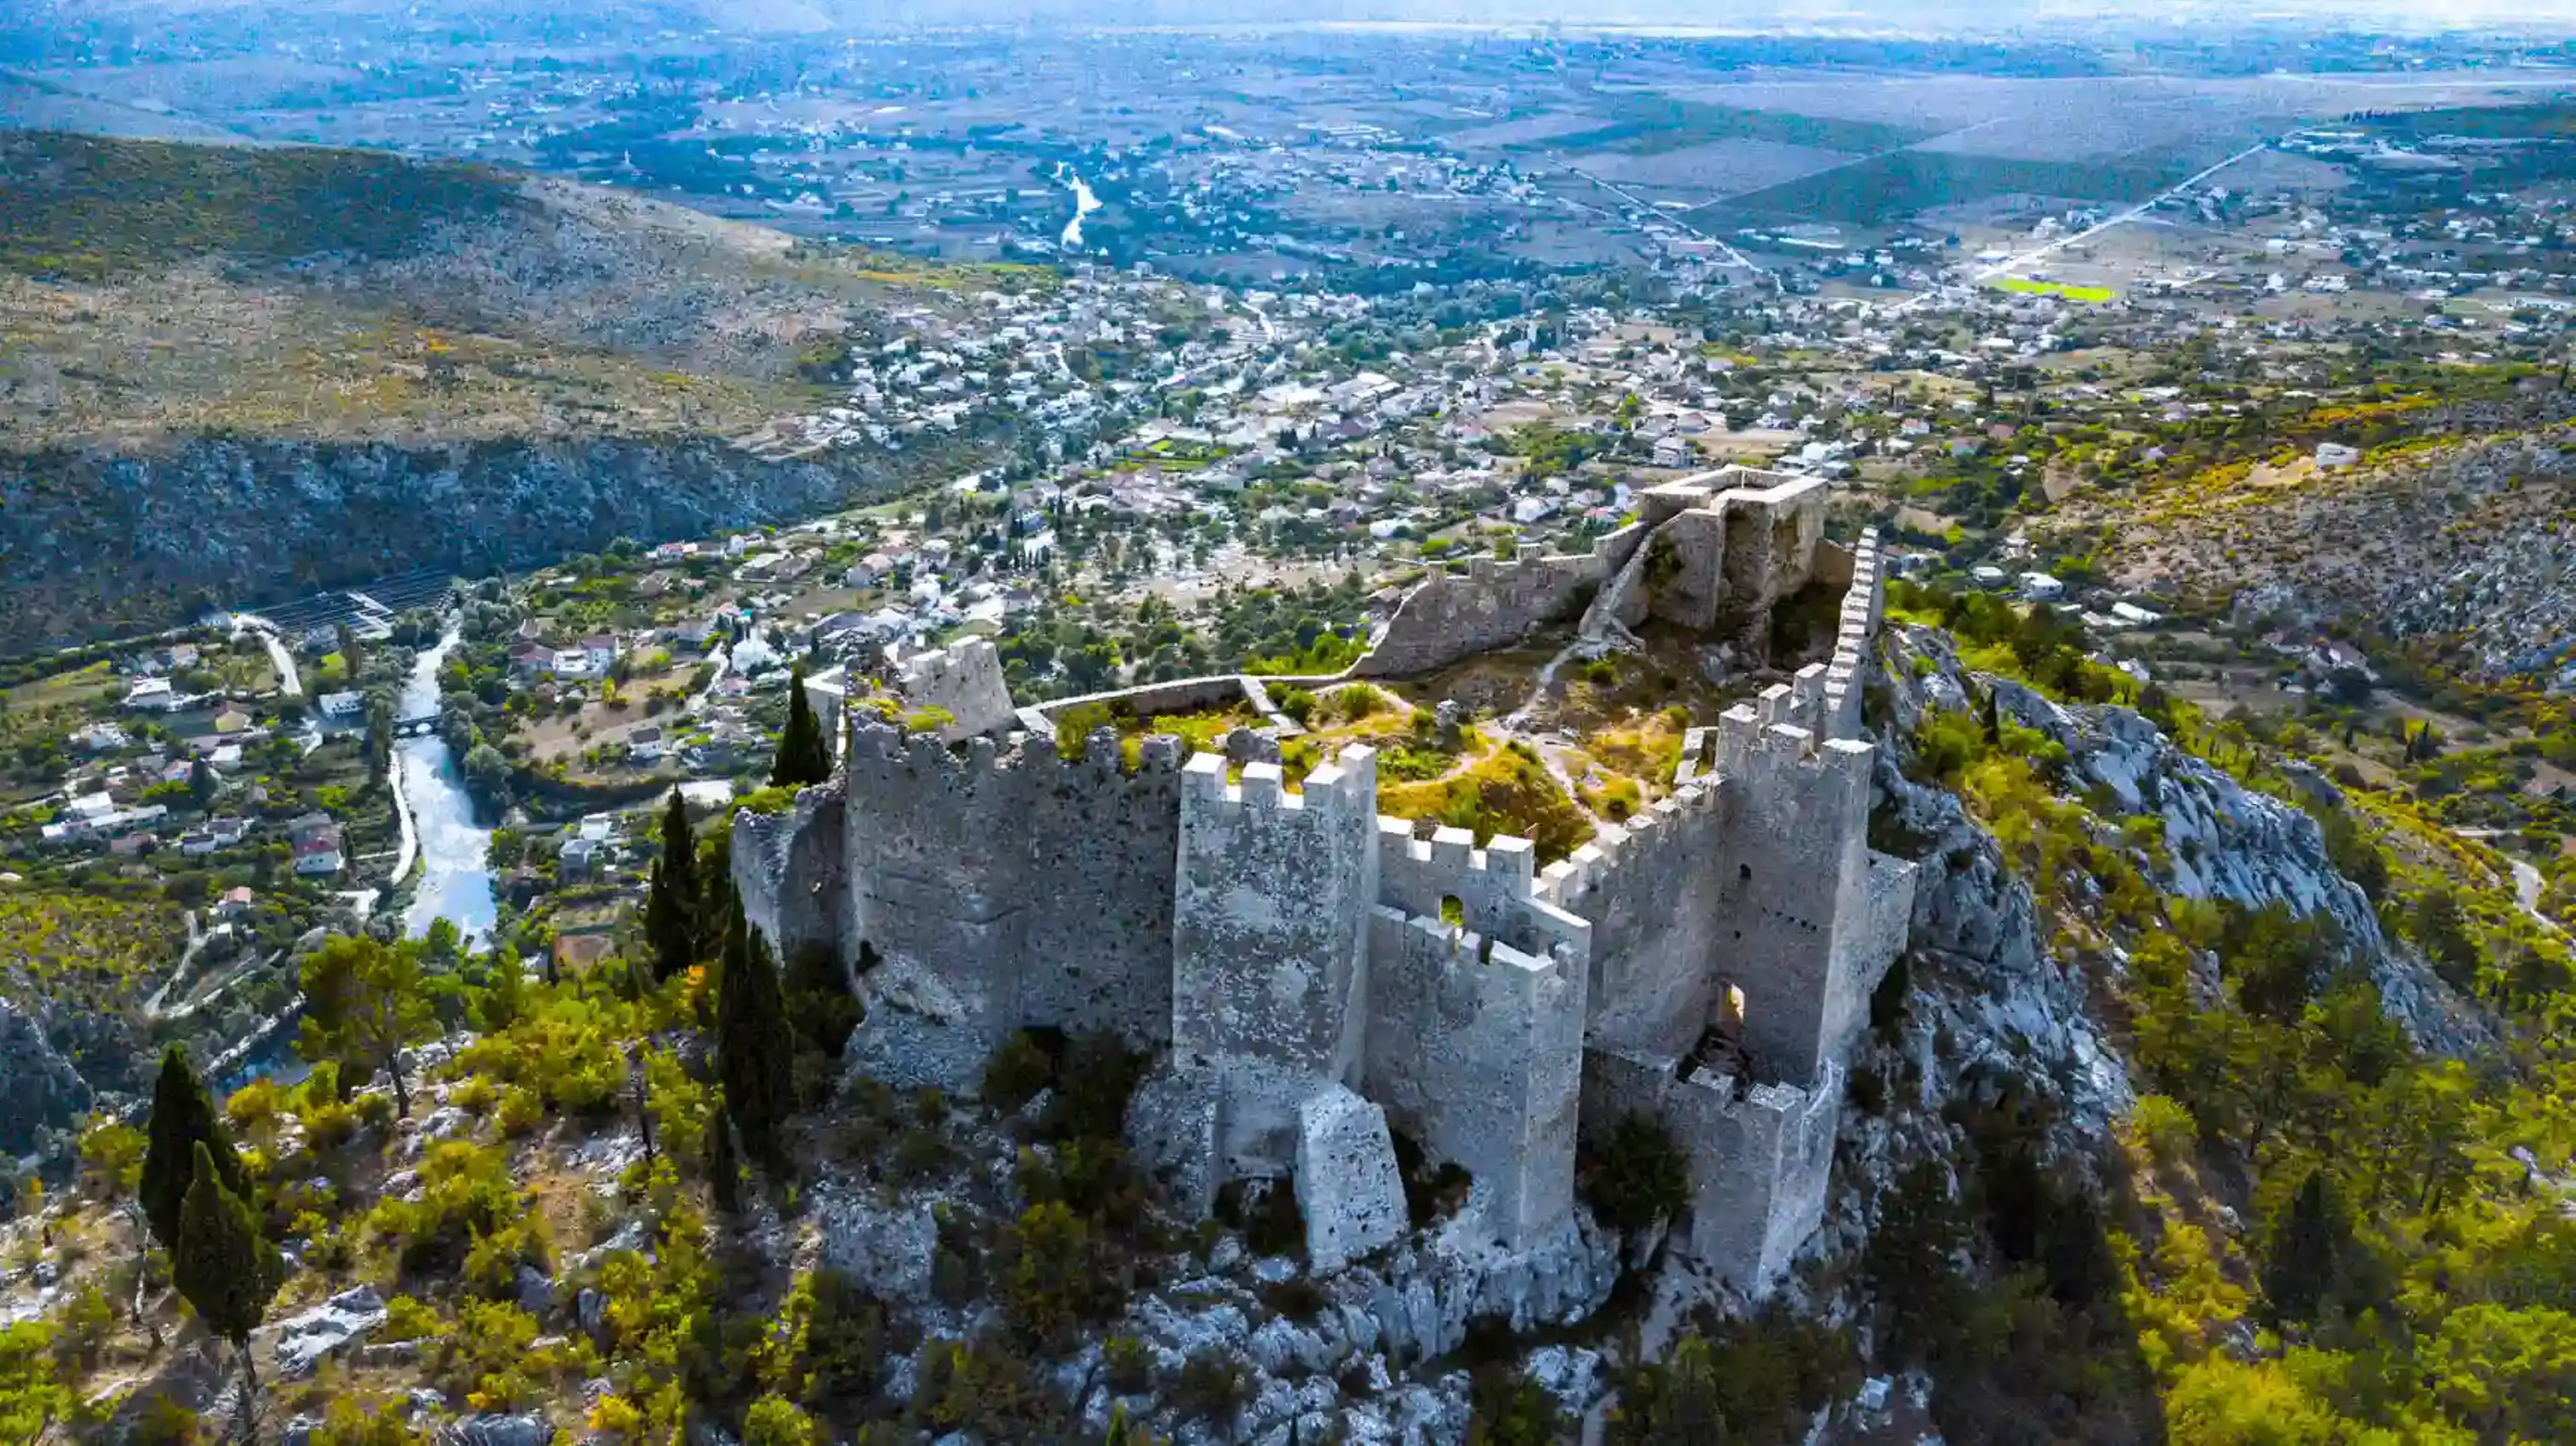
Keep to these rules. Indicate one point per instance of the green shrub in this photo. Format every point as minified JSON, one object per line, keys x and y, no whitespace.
{"x":2165,"y":1128}
{"x":1213,"y":1387}
{"x":407,"y":1319}
{"x":1018,"y":1069}
{"x":1635,"y":1177}
{"x":1509,"y":1409}
{"x":465,"y":1192}
{"x":983,"y":1387}
{"x":1074,"y":727}
{"x":1055,"y":1272}
{"x":165,"y":1423}
{"x":1297,"y":703}
{"x":1126,"y":1365}
{"x":350,"y":1422}
{"x":775,"y":1421}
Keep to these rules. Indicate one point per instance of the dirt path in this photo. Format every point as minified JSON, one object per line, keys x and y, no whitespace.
{"x":2528,"y":883}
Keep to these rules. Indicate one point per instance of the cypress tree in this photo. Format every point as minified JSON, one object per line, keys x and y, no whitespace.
{"x":755,"y":1049}
{"x":724,"y":1167}
{"x":819,"y":1003}
{"x":2309,"y":1245}
{"x":804,"y":757}
{"x":183,"y":1118}
{"x":1994,"y":719}
{"x":224,"y":1266}
{"x":671,"y":906}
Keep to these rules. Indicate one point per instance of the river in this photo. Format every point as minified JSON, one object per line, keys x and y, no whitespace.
{"x":455,"y":876}
{"x":1084,"y":203}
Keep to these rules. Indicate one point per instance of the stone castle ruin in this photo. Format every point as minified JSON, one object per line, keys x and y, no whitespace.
{"x":1314,"y":978}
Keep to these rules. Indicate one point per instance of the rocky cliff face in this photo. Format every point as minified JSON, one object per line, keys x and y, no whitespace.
{"x":1995,"y":1006}
{"x":2469,"y":548}
{"x":39,"y":1089}
{"x":99,"y":543}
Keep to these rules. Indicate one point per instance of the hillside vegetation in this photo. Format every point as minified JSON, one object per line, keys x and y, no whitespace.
{"x":90,"y":207}
{"x":231,"y":374}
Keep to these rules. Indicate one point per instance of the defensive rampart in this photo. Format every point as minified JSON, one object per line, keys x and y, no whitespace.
{"x":1037,"y":891}
{"x":1494,"y":604}
{"x":1313,"y":973}
{"x":1761,"y":1155}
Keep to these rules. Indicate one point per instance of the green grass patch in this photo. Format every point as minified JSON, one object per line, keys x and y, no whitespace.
{"x":1510,"y":792}
{"x":2022,"y":285}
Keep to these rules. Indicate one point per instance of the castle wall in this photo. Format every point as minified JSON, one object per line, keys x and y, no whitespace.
{"x":1100,"y":852}
{"x":1148,"y":700}
{"x":1476,"y":1049}
{"x":1761,"y":1157}
{"x":1725,"y":546}
{"x":1451,"y":616}
{"x":1270,"y":941}
{"x":965,"y":680}
{"x":1036,"y":891}
{"x":937,"y":887}
{"x":785,"y":865}
{"x":1686,"y":569}
{"x":1659,"y":900}
{"x":1856,"y":629}
{"x":1496,"y":886}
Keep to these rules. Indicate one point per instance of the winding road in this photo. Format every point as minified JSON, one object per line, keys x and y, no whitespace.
{"x":289,"y":681}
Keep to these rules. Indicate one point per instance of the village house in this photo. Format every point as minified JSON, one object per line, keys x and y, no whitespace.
{"x":317,"y":842}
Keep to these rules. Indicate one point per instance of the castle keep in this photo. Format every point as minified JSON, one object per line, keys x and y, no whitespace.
{"x":1315,"y":978}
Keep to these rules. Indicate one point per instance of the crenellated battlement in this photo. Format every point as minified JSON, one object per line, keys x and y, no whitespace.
{"x":1497,"y":887}
{"x":1346,"y":786}
{"x":1566,"y":881}
{"x":1864,"y":603}
{"x":881,"y":757}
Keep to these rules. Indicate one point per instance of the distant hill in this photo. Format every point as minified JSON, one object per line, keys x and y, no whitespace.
{"x":29,"y":104}
{"x":234,"y":372}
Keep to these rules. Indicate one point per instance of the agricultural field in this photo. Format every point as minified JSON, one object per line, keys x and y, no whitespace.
{"x":2024,"y":286}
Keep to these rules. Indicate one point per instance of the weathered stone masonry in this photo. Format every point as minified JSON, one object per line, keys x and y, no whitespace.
{"x":1285,"y":953}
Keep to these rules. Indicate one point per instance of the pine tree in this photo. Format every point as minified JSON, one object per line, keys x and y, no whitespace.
{"x":224,"y":1266}
{"x":183,"y":1118}
{"x":671,"y":904}
{"x":804,"y":756}
{"x":365,"y":1002}
{"x":505,"y":991}
{"x":755,"y":1049}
